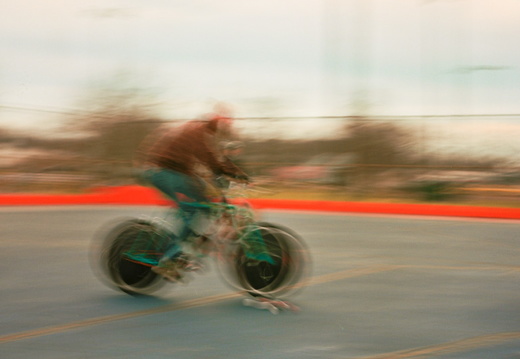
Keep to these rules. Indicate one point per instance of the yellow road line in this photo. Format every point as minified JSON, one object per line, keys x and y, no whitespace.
{"x":172,"y":307}
{"x":504,"y":268}
{"x":331,"y":277}
{"x":449,"y":348}
{"x":350,"y":273}
{"x":112,"y":318}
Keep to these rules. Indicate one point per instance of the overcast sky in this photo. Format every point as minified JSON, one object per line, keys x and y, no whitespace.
{"x":266,"y":57}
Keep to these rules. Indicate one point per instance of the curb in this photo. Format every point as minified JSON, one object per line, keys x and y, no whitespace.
{"x":139,"y":195}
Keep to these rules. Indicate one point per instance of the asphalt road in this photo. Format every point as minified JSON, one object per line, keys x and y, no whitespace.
{"x":381,"y":287}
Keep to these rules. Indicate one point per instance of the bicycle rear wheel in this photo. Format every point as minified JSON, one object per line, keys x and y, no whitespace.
{"x":126,"y":255}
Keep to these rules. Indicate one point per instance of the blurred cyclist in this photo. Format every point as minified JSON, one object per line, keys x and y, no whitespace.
{"x":173,"y":164}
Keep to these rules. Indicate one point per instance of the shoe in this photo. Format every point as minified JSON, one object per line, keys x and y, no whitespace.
{"x":187,"y":263}
{"x":169,"y":270}
{"x":173,"y":270}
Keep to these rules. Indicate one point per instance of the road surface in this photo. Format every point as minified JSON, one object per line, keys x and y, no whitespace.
{"x":381,"y":287}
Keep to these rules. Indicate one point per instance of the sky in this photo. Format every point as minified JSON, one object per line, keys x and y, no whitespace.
{"x":266,"y":58}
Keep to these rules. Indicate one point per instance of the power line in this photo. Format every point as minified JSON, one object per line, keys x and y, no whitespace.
{"x":73,"y":112}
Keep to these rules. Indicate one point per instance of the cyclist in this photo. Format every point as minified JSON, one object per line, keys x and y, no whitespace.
{"x":173,"y":165}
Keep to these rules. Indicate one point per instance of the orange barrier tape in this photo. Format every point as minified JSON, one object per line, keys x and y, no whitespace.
{"x":139,"y":195}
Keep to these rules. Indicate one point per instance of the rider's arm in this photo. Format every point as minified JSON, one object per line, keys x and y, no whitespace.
{"x":208,"y":155}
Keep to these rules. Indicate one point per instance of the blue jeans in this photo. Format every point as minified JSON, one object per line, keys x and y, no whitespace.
{"x":171,"y":183}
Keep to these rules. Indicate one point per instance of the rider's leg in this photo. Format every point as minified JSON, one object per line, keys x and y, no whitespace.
{"x":172,"y":183}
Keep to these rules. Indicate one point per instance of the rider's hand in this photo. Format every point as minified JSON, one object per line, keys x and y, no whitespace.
{"x":243,"y":179}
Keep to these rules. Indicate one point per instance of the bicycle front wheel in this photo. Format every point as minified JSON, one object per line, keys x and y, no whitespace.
{"x":285,"y":271}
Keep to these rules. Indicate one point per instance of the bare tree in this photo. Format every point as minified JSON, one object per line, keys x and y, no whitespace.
{"x":380,"y":143}
{"x":119,"y":115}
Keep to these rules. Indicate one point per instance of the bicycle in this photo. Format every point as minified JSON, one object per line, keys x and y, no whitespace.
{"x":265,"y":261}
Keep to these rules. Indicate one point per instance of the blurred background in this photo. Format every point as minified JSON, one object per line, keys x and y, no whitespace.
{"x":403,"y":100}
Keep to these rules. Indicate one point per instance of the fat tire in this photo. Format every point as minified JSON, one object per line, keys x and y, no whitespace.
{"x":287,"y":274}
{"x":119,"y":272}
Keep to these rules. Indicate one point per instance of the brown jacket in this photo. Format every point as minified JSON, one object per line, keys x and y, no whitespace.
{"x":184,"y":148}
